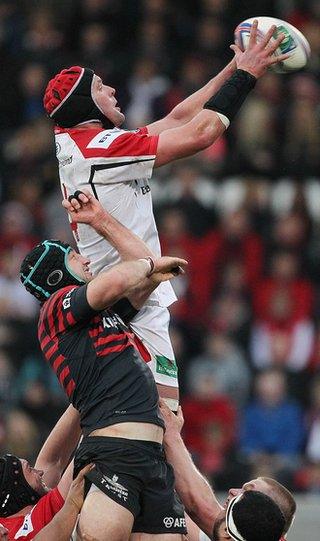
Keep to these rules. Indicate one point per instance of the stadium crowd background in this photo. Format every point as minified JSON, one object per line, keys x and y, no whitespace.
{"x":245,"y":213}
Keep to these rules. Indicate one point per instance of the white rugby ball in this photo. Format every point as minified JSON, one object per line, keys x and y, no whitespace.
{"x":294,"y":41}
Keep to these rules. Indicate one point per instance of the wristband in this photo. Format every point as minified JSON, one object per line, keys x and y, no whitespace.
{"x":228,"y":100}
{"x":224,"y":120}
{"x":151,"y":263}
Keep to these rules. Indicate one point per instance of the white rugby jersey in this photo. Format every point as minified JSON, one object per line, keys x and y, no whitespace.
{"x":116,"y":166}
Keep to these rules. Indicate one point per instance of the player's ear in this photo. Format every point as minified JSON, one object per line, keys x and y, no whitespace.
{"x":225,"y":535}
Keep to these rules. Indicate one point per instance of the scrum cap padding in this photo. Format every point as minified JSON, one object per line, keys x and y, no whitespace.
{"x":68,"y":98}
{"x":45,"y":269}
{"x":15,"y":491}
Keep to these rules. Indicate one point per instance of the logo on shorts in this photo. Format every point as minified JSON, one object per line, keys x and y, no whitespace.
{"x":113,"y":486}
{"x":171,"y":522}
{"x":166,"y":367}
{"x":168,"y":522}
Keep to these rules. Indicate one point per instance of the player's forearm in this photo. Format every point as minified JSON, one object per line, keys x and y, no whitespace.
{"x":192,"y":105}
{"x":57,"y":449}
{"x":195,"y":492}
{"x":110,"y":286}
{"x":61,"y":526}
{"x":128,"y":245}
{"x":139,"y":295}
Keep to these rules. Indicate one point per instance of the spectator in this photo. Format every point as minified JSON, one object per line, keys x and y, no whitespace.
{"x":210,"y":424}
{"x":223,"y":360}
{"x":272,"y":428}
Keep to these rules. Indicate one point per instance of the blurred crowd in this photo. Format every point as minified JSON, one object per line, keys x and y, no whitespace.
{"x":245,"y":213}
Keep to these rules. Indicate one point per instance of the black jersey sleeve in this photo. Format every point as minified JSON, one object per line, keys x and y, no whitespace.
{"x":125,"y":310}
{"x":79,"y":305}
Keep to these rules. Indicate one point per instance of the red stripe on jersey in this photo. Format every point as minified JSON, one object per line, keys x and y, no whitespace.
{"x":45,"y":340}
{"x":113,"y":349}
{"x":70,"y":387}
{"x":102,"y":340}
{"x":64,"y":373}
{"x":71,"y":319}
{"x":59,"y":360}
{"x":53,"y":349}
{"x":126,"y":144}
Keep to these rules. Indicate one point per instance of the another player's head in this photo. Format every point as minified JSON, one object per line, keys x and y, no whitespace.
{"x":20,"y":485}
{"x":277,"y":492}
{"x":250,"y":516}
{"x":76,"y":96}
{"x":51,"y":265}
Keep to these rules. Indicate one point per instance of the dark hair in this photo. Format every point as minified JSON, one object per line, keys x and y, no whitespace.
{"x":258,"y":517}
{"x":284,"y":499}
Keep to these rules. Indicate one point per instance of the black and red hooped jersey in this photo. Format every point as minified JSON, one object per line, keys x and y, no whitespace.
{"x":100,"y":363}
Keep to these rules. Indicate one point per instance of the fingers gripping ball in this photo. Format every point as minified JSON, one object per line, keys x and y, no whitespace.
{"x":294,"y":42}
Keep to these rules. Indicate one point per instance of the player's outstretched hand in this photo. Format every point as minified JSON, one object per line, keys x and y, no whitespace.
{"x":166,"y":268}
{"x":76,"y":491}
{"x":173,"y":422}
{"x":84,"y":208}
{"x":3,"y":533}
{"x":258,"y":56}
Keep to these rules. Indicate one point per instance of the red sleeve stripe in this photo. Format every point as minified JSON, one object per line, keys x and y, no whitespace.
{"x":57,"y":363}
{"x":70,"y":318}
{"x":64,"y":373}
{"x":44,"y":340}
{"x":70,"y":387}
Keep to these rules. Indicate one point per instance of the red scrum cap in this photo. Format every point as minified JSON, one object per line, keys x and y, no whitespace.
{"x":60,"y":87}
{"x":68,"y":98}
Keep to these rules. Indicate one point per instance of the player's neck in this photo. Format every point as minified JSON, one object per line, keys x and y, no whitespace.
{"x":88,"y":125}
{"x":22,"y":512}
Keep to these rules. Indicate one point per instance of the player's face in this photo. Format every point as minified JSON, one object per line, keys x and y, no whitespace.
{"x":255,"y":484}
{"x":104,"y":97}
{"x":79,"y":265}
{"x":34,"y":477}
{"x":219,"y":529}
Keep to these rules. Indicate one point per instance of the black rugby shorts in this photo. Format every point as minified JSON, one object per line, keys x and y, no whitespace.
{"x":136,"y":475}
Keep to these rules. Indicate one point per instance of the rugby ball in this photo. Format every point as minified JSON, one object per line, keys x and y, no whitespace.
{"x":294,"y":41}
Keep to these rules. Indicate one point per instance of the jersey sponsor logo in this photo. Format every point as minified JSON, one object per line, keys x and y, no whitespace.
{"x":145,"y":189}
{"x":105,"y":138}
{"x":67,"y":161}
{"x":166,"y":367}
{"x":171,"y":522}
{"x":112,"y":322}
{"x":26,"y":528}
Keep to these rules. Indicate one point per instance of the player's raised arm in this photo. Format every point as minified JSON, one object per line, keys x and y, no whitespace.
{"x":83,"y":207}
{"x":55,"y":453}
{"x":222,"y":106}
{"x":192,"y":105}
{"x":195,"y":492}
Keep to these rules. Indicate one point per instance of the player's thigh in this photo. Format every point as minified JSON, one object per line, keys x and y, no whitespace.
{"x":157,"y":537}
{"x":102,"y":519}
